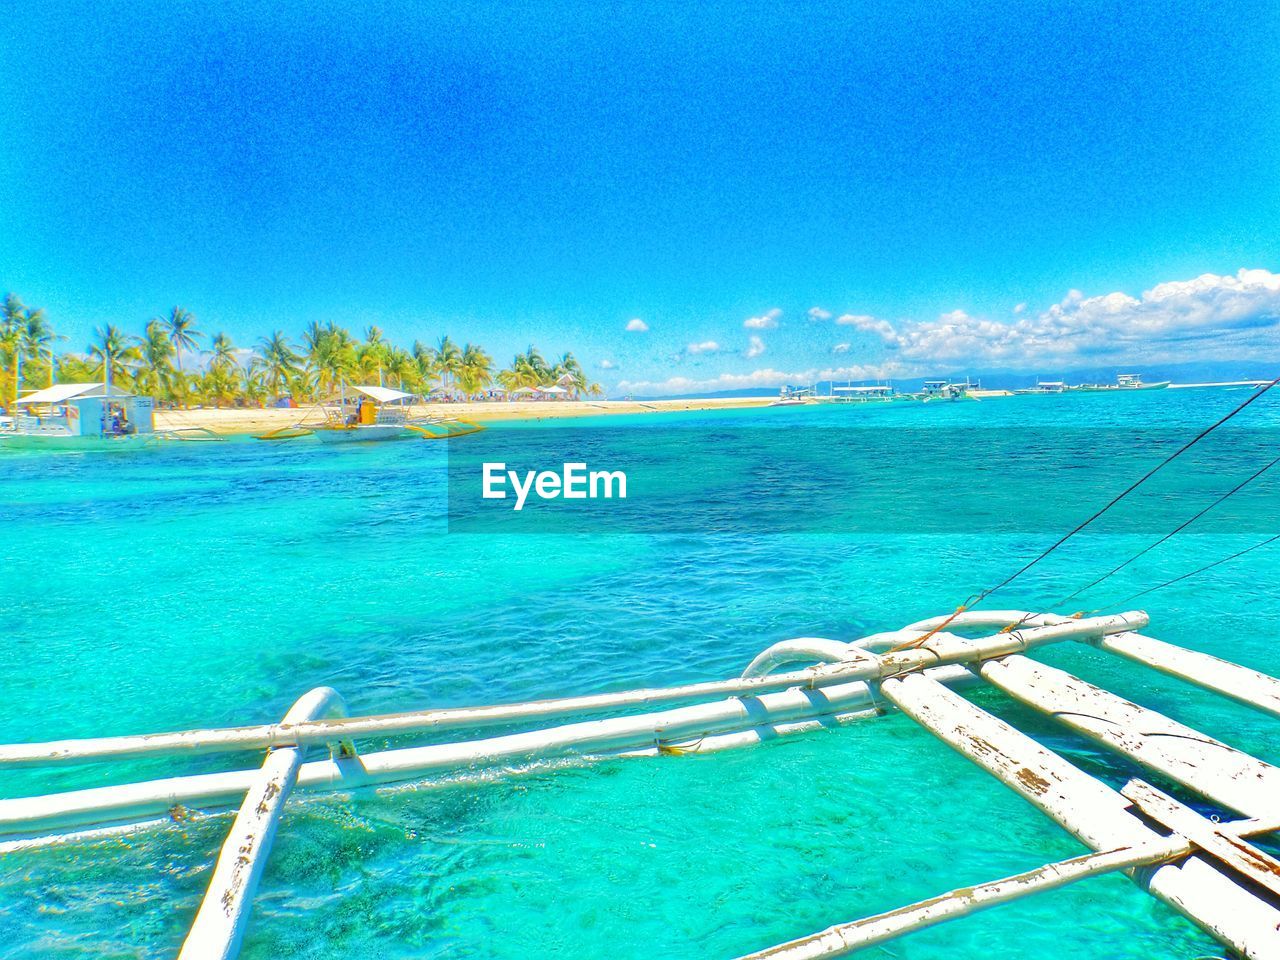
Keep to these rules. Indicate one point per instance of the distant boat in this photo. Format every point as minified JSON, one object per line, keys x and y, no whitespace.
{"x":946,"y":390}
{"x":878,"y":393}
{"x":1044,"y":387}
{"x":794,"y":397}
{"x":1124,"y":381}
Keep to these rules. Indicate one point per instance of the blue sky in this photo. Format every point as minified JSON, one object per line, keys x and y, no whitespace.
{"x":550,"y":173}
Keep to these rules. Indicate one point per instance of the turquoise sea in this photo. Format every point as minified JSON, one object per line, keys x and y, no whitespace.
{"x":195,"y":585}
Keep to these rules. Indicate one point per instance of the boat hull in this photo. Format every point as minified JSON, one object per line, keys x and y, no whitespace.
{"x":363,"y":433}
{"x":1112,"y":388}
{"x":50,"y":441}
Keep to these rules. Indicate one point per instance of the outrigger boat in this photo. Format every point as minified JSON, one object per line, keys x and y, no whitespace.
{"x":75,"y":415}
{"x":374,"y":413}
{"x":1203,"y":866}
{"x":876,"y":393}
{"x":947,"y":390}
{"x":1124,"y":382}
{"x":794,"y":397}
{"x":1044,"y":388}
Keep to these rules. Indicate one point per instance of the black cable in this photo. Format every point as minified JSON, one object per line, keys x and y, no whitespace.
{"x":1178,"y":529}
{"x":1128,"y":490}
{"x":1185,"y":576}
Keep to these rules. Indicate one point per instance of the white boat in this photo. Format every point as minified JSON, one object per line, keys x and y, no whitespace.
{"x":72,"y":415}
{"x":376,"y":413}
{"x":877,"y":393}
{"x":1124,"y":381}
{"x":946,"y":390}
{"x":1044,"y":387}
{"x":794,"y":397}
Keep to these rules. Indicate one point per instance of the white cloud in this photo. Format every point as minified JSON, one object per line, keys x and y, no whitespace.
{"x":1208,"y":318}
{"x":859,"y":321}
{"x":766,"y":321}
{"x":817,"y":313}
{"x":1018,"y":308}
{"x":756,"y":348}
{"x":636,"y":325}
{"x":608,"y":365}
{"x":706,"y":346}
{"x":840,"y":348}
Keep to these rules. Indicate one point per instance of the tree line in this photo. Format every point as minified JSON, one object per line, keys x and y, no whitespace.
{"x":224,"y":374}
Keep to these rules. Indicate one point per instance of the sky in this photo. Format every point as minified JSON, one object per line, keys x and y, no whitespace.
{"x":686,"y":196}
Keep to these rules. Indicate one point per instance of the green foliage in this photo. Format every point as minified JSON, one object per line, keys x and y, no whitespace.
{"x":327,"y":356}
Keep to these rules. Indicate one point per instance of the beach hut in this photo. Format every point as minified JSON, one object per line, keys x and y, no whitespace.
{"x":73,"y":410}
{"x":521,"y":392}
{"x":555,"y":393}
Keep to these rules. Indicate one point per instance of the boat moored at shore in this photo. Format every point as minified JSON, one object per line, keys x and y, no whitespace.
{"x":79,"y":414}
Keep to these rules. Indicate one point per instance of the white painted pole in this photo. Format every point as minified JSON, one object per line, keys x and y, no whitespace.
{"x":723,"y":723}
{"x":1210,"y":767}
{"x":1201,"y":890}
{"x":224,"y":913}
{"x":1238,"y":683}
{"x":326,"y":731}
{"x":845,"y":938}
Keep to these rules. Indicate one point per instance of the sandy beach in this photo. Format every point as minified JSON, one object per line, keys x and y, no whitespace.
{"x":253,"y":420}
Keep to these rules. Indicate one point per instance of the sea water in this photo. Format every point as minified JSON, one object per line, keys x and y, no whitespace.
{"x":196,"y":585}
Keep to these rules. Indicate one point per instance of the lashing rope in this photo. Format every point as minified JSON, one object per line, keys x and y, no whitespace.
{"x":1088,"y":521}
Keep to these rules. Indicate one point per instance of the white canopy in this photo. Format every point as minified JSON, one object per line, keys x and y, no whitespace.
{"x":62,"y":392}
{"x":552,"y":390}
{"x":525,"y":390}
{"x":382,"y":394}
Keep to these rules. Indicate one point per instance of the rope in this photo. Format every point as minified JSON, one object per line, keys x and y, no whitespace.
{"x":1193,"y":573}
{"x":1088,"y":521}
{"x":1176,"y":530}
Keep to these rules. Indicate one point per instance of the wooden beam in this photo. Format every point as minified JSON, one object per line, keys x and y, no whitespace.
{"x":1215,"y":839}
{"x":1098,"y":815}
{"x":224,"y":912}
{"x":1194,"y":759}
{"x":1240,"y":684}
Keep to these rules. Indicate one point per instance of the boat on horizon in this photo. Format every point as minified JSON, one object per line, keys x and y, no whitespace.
{"x":1124,"y":381}
{"x":1043,"y":388}
{"x":794,"y":397}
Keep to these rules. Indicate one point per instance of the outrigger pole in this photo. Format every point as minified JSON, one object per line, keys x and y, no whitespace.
{"x":1204,"y":869}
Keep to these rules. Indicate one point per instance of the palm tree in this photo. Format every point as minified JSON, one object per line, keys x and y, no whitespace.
{"x":11,"y":322}
{"x":220,"y":384}
{"x":402,"y":368}
{"x":371,"y":355}
{"x":425,"y":358}
{"x":181,"y":327}
{"x":38,"y":337}
{"x":568,"y":372}
{"x":113,"y":352}
{"x":448,"y":361}
{"x":475,"y":369}
{"x":276,"y":361}
{"x":330,"y":355}
{"x":222,"y":352}
{"x":155,"y":366}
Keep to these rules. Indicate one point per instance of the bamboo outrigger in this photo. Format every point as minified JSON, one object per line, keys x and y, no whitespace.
{"x":1205,"y":869}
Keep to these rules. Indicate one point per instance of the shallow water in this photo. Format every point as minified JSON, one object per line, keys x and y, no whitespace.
{"x":199,"y":584}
